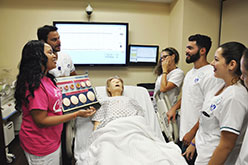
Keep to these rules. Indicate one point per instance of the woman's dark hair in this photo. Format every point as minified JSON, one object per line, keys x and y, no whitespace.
{"x":158,"y":69}
{"x":233,"y":51}
{"x":31,"y":69}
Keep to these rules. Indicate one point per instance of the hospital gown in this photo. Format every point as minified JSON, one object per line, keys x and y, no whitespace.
{"x":116,"y":107}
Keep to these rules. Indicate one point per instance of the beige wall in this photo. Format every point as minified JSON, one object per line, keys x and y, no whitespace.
{"x":201,"y":16}
{"x":176,"y":28}
{"x":235,"y":21}
{"x":148,"y":24}
{"x":189,"y":17}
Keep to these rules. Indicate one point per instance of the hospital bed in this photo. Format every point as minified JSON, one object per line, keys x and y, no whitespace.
{"x":84,"y":127}
{"x":170,"y":129}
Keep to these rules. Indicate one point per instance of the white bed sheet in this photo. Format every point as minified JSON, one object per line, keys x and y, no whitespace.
{"x":131,"y":141}
{"x":84,"y":126}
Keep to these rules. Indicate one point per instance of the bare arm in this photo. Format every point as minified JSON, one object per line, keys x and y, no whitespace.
{"x":227,"y":143}
{"x":42,"y":119}
{"x":166,"y":85}
{"x":172,"y":112}
{"x":189,"y":136}
{"x":190,"y":151}
{"x":96,"y":123}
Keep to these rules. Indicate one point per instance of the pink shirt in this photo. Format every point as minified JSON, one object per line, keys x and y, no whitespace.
{"x":42,"y":141}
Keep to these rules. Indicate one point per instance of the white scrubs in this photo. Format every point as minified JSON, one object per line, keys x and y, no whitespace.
{"x":197,"y":83}
{"x":225,"y":112}
{"x":176,"y":77}
{"x":243,"y":155}
{"x":64,"y":66}
{"x":50,"y":159}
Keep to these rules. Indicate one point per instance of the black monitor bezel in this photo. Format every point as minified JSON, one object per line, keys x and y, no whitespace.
{"x":142,"y":63}
{"x":102,"y":23}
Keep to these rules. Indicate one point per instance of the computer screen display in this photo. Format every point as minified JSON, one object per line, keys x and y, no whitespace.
{"x":143,"y":54}
{"x":94,"y":43}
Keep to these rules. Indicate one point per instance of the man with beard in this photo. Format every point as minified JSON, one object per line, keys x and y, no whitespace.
{"x":64,"y":67}
{"x":197,"y":82}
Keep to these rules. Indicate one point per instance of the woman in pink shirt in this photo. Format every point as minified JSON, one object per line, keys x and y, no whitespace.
{"x":41,"y":103}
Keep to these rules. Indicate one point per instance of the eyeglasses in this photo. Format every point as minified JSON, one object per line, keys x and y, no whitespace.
{"x":164,"y":57}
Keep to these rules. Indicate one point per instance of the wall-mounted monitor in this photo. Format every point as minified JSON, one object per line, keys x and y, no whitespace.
{"x":143,"y":55}
{"x":94,"y":43}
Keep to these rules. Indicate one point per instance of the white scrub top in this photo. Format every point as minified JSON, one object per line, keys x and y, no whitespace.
{"x":197,"y":83}
{"x":64,"y":66}
{"x":243,"y":155}
{"x":176,"y":77}
{"x":225,"y":112}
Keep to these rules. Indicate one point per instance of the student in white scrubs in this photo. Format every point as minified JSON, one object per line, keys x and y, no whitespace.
{"x":170,"y":77}
{"x":64,"y":66}
{"x":197,"y":83}
{"x":223,"y":118}
{"x":243,"y":155}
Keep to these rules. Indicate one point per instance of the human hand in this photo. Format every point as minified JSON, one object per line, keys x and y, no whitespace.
{"x":166,"y":63}
{"x":171,"y":114}
{"x":189,"y":153}
{"x":188,"y":137}
{"x":96,"y":123}
{"x":86,"y":113}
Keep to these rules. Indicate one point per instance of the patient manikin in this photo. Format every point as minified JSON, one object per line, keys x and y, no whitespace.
{"x":123,"y":135}
{"x":116,"y":106}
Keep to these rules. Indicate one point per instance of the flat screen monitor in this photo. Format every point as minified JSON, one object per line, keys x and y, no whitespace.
{"x":94,"y":43}
{"x":143,"y":55}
